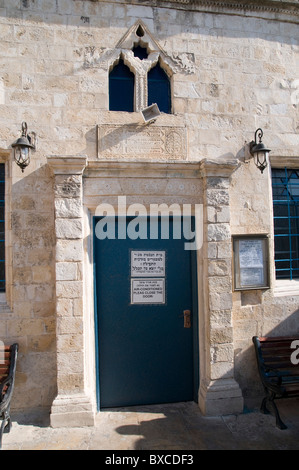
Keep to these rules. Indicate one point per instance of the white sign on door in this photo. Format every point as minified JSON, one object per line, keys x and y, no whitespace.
{"x":147,"y":291}
{"x":147,"y":263}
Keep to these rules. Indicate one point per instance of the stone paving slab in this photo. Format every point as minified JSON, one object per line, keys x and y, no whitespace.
{"x":169,"y":427}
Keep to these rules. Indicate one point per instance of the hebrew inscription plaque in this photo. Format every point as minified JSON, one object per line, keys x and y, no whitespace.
{"x":141,"y":142}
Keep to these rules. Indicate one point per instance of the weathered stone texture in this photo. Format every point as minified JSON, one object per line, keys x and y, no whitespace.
{"x":230,"y":74}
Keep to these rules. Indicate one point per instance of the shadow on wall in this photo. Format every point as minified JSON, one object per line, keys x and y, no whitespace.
{"x":88,"y":15}
{"x":32,"y":320}
{"x":245,"y":361}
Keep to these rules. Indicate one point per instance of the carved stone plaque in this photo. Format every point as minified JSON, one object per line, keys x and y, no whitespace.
{"x":141,"y":142}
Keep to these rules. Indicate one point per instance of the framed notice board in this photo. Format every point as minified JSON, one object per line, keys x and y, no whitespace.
{"x":251,"y":262}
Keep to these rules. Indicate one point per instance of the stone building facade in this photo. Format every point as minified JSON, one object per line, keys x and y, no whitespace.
{"x":232,"y":68}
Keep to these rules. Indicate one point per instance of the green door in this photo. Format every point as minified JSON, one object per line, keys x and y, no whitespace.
{"x":146,"y":338}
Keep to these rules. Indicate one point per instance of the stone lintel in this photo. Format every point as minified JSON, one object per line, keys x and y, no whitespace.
{"x":218,"y":167}
{"x":4,"y":155}
{"x":285,"y":162}
{"x":67,"y":165}
{"x":147,"y":169}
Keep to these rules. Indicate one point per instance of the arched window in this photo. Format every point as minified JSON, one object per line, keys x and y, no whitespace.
{"x":159,"y":89}
{"x":121,"y":88}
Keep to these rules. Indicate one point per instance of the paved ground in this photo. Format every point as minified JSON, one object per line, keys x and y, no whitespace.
{"x":169,"y":427}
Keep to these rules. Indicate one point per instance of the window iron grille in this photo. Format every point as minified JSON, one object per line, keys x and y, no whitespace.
{"x":285,"y":185}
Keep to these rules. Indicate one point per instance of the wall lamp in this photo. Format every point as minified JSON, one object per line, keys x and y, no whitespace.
{"x":23,"y":146}
{"x":259,"y":151}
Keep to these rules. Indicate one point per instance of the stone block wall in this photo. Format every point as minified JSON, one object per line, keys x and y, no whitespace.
{"x":28,"y":315}
{"x":232,"y":70}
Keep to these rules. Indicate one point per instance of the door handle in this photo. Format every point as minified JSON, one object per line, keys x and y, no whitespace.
{"x":187,"y":318}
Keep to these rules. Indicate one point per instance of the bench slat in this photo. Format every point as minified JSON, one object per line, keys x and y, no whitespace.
{"x":277,"y":338}
{"x":275,"y":372}
{"x":283,"y":362}
{"x":5,"y":366}
{"x":282,"y":366}
{"x":277,"y":352}
{"x":6,"y":362}
{"x":286,"y":349}
{"x":280,"y":360}
{"x":266,"y":348}
{"x":278,"y":374}
{"x":7,"y":371}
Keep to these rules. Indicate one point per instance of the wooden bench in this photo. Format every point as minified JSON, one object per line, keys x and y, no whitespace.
{"x":8,"y":361}
{"x":279,"y":373}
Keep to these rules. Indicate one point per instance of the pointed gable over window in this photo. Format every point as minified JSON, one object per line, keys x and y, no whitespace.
{"x":142,"y":74}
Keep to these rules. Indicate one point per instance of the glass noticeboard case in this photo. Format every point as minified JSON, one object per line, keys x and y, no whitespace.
{"x":251,"y":262}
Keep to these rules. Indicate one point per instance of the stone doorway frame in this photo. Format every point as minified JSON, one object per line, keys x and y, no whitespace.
{"x":75,"y":403}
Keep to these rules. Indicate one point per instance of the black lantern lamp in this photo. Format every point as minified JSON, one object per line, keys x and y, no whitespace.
{"x":22,"y":147}
{"x":259,"y":151}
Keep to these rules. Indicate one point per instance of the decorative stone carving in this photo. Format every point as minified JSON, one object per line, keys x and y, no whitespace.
{"x":142,"y":142}
{"x":183,"y":62}
{"x":138,"y":34}
{"x":106,"y":57}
